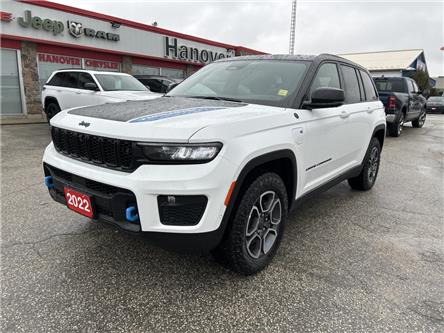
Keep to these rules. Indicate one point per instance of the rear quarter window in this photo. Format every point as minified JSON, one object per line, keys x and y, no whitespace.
{"x":56,"y":80}
{"x":369,"y":88}
{"x":65,"y":79}
{"x":351,"y":83}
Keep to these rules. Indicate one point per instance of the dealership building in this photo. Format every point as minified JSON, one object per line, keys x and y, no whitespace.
{"x":38,"y":37}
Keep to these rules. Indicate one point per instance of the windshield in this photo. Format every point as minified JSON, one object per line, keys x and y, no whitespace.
{"x":390,"y":85}
{"x":266,"y":82}
{"x":436,"y":99}
{"x":114,"y":82}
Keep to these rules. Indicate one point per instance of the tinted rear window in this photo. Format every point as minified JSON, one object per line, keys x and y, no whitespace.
{"x":65,"y":79}
{"x":370,"y":92}
{"x":352,"y":92}
{"x":390,"y":85}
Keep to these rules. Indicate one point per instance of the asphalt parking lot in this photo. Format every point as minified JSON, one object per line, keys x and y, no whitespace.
{"x":350,"y":261}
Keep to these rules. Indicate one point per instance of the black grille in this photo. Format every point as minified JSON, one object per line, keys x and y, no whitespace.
{"x":106,"y":152}
{"x":181,"y":209}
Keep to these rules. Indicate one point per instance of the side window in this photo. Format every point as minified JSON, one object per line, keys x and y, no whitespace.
{"x":84,"y":78}
{"x":326,"y":77}
{"x":155,"y":85}
{"x":361,"y":88}
{"x":369,"y":88}
{"x":352,"y":93}
{"x":415,"y":86}
{"x":56,"y":80}
{"x":69,"y":79}
{"x":410,"y":85}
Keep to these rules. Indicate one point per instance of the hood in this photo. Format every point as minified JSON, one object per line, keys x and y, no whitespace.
{"x":130,"y":95}
{"x":165,"y":119}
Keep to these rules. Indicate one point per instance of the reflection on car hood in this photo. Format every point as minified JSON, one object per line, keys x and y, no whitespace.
{"x":172,"y":119}
{"x":154,"y":109}
{"x":130,"y":95}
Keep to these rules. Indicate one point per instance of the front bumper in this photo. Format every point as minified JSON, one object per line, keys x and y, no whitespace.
{"x":148,"y":182}
{"x":433,"y":109}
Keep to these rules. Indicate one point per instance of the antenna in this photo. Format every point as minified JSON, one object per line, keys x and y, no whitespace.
{"x":292,"y":26}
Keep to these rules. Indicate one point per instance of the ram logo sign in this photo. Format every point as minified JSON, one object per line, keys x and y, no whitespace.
{"x":75,"y":28}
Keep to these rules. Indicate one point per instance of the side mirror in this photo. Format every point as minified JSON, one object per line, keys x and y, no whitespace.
{"x":91,"y":86}
{"x":325,"y":98}
{"x":172,"y":86}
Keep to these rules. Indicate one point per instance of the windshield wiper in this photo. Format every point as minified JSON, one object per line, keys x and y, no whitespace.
{"x":217,"y":98}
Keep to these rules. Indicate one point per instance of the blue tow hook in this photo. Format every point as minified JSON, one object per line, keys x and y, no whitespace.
{"x":131,"y":214}
{"x":48,"y":182}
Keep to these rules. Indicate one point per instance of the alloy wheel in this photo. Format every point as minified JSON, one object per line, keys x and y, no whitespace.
{"x":422,"y":119}
{"x":373,"y":164}
{"x":401,"y":124}
{"x":262,"y":226}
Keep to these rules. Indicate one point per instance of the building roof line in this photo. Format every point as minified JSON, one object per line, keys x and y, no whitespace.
{"x":126,"y":22}
{"x":371,"y":52}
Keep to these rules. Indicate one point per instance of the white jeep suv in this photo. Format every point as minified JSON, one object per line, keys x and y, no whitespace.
{"x":70,"y":88}
{"x":218,"y":162}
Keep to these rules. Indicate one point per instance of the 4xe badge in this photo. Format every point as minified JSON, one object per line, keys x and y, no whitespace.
{"x":75,"y":28}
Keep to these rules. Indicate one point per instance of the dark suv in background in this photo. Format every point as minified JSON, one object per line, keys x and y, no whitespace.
{"x":157,"y":83}
{"x":435,"y":104}
{"x":403,"y":102}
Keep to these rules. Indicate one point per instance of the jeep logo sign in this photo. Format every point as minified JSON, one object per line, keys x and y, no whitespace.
{"x":76,"y":29}
{"x":188,"y":53}
{"x":36,"y":22}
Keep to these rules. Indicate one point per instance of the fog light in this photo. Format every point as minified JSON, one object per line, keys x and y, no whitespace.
{"x":182,"y":210}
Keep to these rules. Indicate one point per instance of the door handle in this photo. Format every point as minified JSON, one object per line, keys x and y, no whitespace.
{"x":344,"y":114}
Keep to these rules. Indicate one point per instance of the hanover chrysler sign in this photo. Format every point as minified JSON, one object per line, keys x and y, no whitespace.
{"x":192,"y":54}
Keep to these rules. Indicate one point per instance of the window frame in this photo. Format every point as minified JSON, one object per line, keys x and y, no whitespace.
{"x":341,"y":86}
{"x":362,"y":73}
{"x":92,"y":79}
{"x":410,"y":82}
{"x":345,"y":89}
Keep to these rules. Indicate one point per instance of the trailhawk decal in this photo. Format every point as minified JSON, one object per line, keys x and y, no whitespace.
{"x":175,"y":113}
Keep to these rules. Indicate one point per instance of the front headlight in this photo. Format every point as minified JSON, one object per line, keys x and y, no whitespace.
{"x":181,"y":153}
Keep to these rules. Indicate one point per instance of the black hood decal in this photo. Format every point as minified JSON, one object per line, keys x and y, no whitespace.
{"x":125,"y":111}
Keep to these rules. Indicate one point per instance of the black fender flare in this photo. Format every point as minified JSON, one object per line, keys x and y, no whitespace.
{"x":49,"y":99}
{"x":251,"y":165}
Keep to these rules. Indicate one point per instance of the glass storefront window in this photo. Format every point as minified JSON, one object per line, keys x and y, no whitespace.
{"x":11,"y":102}
{"x":48,"y":63}
{"x":145,"y":70}
{"x":172,"y":73}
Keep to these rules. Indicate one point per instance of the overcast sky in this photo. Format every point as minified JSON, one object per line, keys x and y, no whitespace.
{"x":321,"y":26}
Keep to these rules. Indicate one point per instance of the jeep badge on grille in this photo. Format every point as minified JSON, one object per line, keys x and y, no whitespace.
{"x":84,"y":123}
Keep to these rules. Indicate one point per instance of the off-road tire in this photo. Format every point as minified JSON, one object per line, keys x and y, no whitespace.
{"x":233,"y":252}
{"x":51,"y":109}
{"x":367,"y":178}
{"x":395,"y":129}
{"x":418,"y":123}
